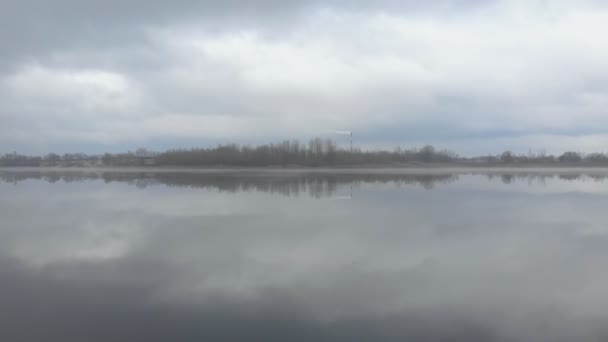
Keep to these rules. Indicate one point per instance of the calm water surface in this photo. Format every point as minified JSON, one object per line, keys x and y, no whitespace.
{"x":238,"y":256}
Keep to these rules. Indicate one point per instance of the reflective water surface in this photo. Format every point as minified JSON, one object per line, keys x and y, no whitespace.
{"x":297,"y":256}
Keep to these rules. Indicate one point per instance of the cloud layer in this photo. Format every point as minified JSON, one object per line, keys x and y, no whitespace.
{"x":476,"y":76}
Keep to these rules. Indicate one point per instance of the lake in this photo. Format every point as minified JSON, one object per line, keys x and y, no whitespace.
{"x":303,"y":256}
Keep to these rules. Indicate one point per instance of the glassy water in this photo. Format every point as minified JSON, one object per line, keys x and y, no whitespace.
{"x":296,"y":256}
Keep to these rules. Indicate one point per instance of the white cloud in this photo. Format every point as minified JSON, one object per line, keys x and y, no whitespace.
{"x":68,"y":91}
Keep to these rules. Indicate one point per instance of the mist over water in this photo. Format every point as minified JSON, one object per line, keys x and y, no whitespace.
{"x":298,"y":256}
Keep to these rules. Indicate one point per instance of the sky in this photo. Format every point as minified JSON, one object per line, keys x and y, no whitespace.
{"x":476,"y":77}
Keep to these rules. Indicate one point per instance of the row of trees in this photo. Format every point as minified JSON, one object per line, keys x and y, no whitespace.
{"x":316,"y":152}
{"x":569,"y":157}
{"x":51,"y":159}
{"x":14,"y":159}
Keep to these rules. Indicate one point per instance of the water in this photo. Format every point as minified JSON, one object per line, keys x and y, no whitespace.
{"x":140,"y":256}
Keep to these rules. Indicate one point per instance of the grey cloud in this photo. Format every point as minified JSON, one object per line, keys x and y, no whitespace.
{"x":32,"y":28}
{"x":395,"y":72}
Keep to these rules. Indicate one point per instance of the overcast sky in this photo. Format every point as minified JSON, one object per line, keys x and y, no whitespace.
{"x":477,"y":76}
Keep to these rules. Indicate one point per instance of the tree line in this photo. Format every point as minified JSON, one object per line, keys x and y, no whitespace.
{"x":316,"y":152}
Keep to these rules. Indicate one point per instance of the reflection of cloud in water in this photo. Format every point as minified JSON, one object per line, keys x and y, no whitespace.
{"x":94,"y":241}
{"x":465,"y":262}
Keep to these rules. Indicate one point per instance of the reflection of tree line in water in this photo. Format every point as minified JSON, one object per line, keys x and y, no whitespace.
{"x":508,"y":178}
{"x":288,"y":184}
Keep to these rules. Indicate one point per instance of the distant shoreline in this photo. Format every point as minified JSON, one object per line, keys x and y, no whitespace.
{"x":418,"y":169}
{"x":292,"y":154}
